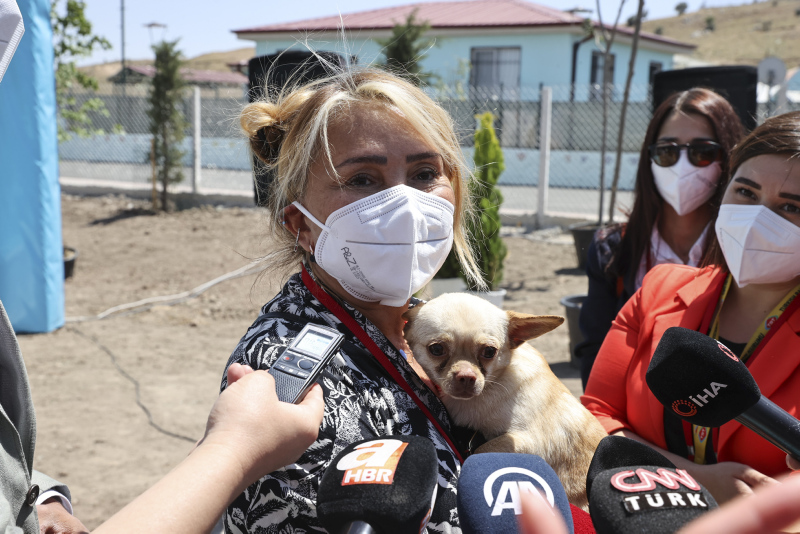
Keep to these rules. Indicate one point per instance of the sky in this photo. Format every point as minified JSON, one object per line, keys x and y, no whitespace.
{"x":205,"y":25}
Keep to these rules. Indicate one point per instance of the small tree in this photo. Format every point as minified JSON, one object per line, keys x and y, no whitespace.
{"x":405,"y":49}
{"x":490,"y":251}
{"x":681,"y":8}
{"x":73,"y":39}
{"x":167,"y":123}
{"x":710,"y":25}
{"x":485,"y":229}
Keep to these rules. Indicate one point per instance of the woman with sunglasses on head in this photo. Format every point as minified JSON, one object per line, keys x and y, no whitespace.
{"x":679,"y":183}
{"x":746,"y":298}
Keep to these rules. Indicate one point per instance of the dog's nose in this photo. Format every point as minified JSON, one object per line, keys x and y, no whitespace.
{"x":466,"y":378}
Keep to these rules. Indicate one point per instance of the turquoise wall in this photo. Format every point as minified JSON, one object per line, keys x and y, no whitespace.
{"x":546,"y":59}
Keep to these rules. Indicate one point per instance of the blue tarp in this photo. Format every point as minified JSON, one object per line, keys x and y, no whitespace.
{"x":31,"y":253}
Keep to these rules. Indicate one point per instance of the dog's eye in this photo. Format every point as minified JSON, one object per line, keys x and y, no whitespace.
{"x":489,"y":352}
{"x":436,"y":349}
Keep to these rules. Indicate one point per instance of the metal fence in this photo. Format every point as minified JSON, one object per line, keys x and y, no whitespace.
{"x":121,"y":152}
{"x":575,"y":143}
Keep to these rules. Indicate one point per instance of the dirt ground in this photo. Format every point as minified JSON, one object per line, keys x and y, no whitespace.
{"x":85,"y":377}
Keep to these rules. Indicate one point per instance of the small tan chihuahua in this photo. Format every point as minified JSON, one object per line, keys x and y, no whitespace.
{"x":494,"y":382}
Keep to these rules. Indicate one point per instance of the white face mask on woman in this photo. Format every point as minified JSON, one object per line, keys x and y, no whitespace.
{"x":684,"y":186}
{"x":387,"y":246}
{"x":760,"y":246}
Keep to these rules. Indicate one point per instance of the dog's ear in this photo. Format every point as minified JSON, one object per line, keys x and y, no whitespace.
{"x":522,"y":327}
{"x":411,"y":313}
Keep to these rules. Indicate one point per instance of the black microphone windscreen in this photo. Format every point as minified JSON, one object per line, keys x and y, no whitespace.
{"x":699,"y":378}
{"x":652,"y":499}
{"x":619,"y":451}
{"x":388,"y":483}
{"x":489,"y":488}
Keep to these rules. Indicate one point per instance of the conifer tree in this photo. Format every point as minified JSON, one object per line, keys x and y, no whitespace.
{"x":167,"y":122}
{"x":405,"y":49}
{"x":489,"y":247}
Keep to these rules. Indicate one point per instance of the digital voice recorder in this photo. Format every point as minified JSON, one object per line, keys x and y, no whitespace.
{"x":301,"y":363}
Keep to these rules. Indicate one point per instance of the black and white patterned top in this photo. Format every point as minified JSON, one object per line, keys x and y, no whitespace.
{"x":361,"y":401}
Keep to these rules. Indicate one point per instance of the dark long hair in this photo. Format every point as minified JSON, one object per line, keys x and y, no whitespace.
{"x":778,"y":135}
{"x":728,"y":130}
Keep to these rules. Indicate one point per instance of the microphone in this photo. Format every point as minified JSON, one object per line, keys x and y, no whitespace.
{"x":489,"y":488}
{"x":619,"y":451}
{"x":634,"y":488}
{"x":703,"y":382}
{"x":380,"y":486}
{"x":646,"y":498}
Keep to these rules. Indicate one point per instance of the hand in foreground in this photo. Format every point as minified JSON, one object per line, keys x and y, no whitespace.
{"x":792,"y":463}
{"x":54,"y":519}
{"x":252,"y":425}
{"x":770,"y":509}
{"x":538,"y":518}
{"x":727,"y":480}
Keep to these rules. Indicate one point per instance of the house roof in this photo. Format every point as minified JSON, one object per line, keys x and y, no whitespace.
{"x":464,"y":14}
{"x":196,"y":76}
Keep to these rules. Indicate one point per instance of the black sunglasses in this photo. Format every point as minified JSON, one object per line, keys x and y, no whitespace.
{"x":701,"y":153}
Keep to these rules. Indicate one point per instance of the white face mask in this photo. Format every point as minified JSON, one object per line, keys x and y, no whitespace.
{"x":684,"y":186}
{"x":760,"y":246}
{"x":386,"y":246}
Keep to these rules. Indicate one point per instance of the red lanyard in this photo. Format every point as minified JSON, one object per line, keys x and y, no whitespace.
{"x":351,"y":324}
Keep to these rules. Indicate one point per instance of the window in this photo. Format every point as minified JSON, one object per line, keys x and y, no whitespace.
{"x":495,"y":72}
{"x":597,"y":77}
{"x":655,"y":68}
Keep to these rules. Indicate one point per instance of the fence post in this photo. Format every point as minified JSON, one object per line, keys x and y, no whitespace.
{"x":196,"y":139}
{"x":545,"y":122}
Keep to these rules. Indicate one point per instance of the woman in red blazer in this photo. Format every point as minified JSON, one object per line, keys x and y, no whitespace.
{"x":746,"y":299}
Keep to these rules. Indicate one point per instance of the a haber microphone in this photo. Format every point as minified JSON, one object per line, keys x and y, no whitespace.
{"x":385,"y":485}
{"x":489,"y":489}
{"x":703,"y":382}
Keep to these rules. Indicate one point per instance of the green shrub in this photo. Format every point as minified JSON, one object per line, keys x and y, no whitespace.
{"x":488,"y":247}
{"x":485,"y":229}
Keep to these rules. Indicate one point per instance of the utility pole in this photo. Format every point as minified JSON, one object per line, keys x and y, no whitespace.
{"x":122,"y":28}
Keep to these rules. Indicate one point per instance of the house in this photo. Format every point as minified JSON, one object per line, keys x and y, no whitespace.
{"x":508,"y":47}
{"x":207,"y":79}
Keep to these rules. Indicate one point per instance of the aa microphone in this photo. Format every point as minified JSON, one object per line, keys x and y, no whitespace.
{"x":619,"y":451}
{"x":385,"y":485}
{"x":703,"y":382}
{"x":489,"y":489}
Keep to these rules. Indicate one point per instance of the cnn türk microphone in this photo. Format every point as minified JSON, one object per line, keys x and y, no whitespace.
{"x":703,"y":382}
{"x":489,"y":488}
{"x":646,"y":498}
{"x":618,"y":451}
{"x":379,"y":486}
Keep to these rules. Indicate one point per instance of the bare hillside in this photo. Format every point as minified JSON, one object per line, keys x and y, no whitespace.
{"x":742,"y":34}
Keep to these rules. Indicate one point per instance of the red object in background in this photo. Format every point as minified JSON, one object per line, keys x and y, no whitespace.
{"x":581,"y":521}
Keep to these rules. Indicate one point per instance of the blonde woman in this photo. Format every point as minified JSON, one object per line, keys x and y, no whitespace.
{"x":370,"y":196}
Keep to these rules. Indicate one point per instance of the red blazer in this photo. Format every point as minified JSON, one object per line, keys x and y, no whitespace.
{"x":677,"y":295}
